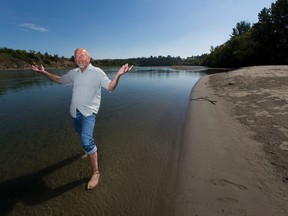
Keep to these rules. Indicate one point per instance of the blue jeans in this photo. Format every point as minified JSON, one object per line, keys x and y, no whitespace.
{"x":85,"y":127}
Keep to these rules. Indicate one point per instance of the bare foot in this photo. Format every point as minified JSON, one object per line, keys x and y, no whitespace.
{"x":94,"y":180}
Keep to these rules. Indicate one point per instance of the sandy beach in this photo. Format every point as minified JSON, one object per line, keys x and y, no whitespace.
{"x":234,"y":154}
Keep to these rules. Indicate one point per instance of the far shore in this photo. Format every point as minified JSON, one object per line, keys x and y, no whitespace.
{"x":186,"y":67}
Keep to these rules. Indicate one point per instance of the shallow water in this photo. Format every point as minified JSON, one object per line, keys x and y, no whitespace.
{"x":136,"y":131}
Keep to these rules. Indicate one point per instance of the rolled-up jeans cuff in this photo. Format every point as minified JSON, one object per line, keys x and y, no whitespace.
{"x":91,"y":152}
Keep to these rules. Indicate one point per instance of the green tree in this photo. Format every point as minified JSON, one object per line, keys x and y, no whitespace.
{"x":279,"y":14}
{"x":266,"y":42}
{"x":241,"y":28}
{"x":271,"y":34}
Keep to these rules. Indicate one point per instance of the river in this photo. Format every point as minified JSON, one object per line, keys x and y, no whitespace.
{"x":137,"y":130}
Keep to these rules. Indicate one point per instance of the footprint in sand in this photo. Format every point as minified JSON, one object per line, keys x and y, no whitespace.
{"x":223,"y":183}
{"x":284,"y":146}
{"x":227,"y":200}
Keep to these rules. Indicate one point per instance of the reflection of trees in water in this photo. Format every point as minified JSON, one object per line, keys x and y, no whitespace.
{"x":161,"y":72}
{"x":18,"y":80}
{"x":218,"y":70}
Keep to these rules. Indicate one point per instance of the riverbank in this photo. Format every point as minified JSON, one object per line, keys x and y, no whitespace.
{"x":234,"y":155}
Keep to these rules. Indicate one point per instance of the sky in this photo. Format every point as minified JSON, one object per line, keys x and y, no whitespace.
{"x":121,"y":29}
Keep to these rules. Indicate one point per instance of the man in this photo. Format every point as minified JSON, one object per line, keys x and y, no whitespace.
{"x":87,"y":81}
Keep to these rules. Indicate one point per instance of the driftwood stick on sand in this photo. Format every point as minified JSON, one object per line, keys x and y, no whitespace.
{"x":204,"y":98}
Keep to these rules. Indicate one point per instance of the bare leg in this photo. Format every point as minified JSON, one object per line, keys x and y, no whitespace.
{"x":94,"y":180}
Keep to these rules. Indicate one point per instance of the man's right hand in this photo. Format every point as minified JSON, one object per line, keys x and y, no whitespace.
{"x":39,"y":69}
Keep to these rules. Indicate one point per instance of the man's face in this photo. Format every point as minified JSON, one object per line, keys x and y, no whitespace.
{"x":82,"y":58}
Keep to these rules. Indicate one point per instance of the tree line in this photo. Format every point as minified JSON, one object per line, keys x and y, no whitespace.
{"x":19,"y":59}
{"x":143,"y":61}
{"x":22,"y":58}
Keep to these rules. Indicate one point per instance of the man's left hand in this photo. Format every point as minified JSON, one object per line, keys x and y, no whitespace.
{"x":124,"y":69}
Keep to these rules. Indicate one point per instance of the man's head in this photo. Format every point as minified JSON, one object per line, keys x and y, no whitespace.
{"x":82,"y":58}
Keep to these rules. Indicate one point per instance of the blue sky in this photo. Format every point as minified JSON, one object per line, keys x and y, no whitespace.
{"x":123,"y":29}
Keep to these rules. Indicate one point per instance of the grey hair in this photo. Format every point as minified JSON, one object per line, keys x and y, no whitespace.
{"x":83,"y":49}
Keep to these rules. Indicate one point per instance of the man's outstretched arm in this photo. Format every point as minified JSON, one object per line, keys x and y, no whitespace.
{"x":40,"y":69}
{"x":124,"y":69}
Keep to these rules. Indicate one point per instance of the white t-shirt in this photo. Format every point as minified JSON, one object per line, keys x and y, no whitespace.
{"x":86,"y":96}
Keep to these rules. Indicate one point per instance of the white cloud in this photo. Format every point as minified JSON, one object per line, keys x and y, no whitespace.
{"x":31,"y":26}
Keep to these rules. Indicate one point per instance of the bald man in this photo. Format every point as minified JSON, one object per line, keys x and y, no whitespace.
{"x":87,"y":81}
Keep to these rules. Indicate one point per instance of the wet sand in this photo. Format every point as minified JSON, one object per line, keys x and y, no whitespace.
{"x":234,"y":154}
